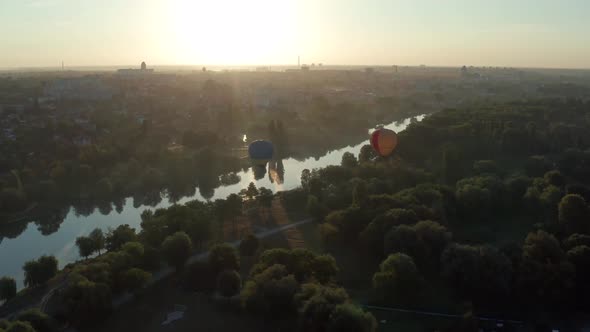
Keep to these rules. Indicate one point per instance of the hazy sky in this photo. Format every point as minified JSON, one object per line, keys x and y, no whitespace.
{"x":533,"y":33}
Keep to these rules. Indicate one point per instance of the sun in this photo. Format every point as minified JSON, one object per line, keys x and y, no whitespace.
{"x":233,"y":31}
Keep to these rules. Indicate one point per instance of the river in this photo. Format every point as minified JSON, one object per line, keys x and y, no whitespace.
{"x":31,"y":244}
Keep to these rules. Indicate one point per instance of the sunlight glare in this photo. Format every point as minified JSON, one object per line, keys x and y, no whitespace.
{"x":233,"y":31}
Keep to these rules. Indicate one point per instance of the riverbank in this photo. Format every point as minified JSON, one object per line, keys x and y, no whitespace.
{"x":57,"y":236}
{"x":43,"y":297}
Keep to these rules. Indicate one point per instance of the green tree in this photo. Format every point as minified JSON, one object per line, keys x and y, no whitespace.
{"x":233,"y":204}
{"x":302,"y":263}
{"x":373,"y":235}
{"x":39,"y":320}
{"x":473,"y":200}
{"x":135,"y":279}
{"x":85,"y":246}
{"x":398,"y":280}
{"x":433,"y":238}
{"x":575,"y":240}
{"x":543,"y":266}
{"x":542,"y":247}
{"x":537,"y":166}
{"x":271,"y":292}
{"x":404,"y":239}
{"x":116,"y":238}
{"x":38,"y":272}
{"x":98,"y":240}
{"x":264,"y":199}
{"x":348,"y":222}
{"x":481,"y":274}
{"x":305,"y":178}
{"x":323,"y":268}
{"x":223,"y":257}
{"x":135,"y":250}
{"x":574,"y":214}
{"x":229,"y":283}
{"x":366,"y":154}
{"x":348,"y":160}
{"x":315,"y":209}
{"x":555,"y":178}
{"x":579,"y":256}
{"x":360,"y":193}
{"x":7,"y":288}
{"x":104,"y":188}
{"x":18,"y":326}
{"x":177,"y":249}
{"x":87,"y":302}
{"x":316,"y":303}
{"x":349,"y":318}
{"x":251,"y":192}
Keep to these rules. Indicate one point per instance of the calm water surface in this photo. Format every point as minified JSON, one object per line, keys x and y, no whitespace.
{"x":32,"y":244}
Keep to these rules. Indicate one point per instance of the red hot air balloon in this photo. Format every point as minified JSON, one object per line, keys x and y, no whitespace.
{"x":384,"y":141}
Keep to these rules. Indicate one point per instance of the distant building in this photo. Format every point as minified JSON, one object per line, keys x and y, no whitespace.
{"x":136,"y":72}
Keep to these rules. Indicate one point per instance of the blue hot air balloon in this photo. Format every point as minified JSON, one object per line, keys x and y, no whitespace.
{"x":260,"y":152}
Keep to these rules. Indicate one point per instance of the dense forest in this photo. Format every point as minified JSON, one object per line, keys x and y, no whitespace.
{"x":481,"y":211}
{"x":97,"y":159}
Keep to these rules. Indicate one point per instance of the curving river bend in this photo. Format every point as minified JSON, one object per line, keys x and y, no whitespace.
{"x":32,"y":244}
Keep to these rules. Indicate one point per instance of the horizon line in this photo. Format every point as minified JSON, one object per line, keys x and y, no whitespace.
{"x":127,"y":66}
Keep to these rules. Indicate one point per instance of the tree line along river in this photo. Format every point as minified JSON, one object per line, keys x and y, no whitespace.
{"x":31,"y":244}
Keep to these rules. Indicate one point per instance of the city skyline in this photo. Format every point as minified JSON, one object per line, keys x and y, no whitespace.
{"x":543,"y":34}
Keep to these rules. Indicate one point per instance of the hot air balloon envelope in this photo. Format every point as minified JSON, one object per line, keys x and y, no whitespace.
{"x":260,"y":152}
{"x":384,"y":141}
